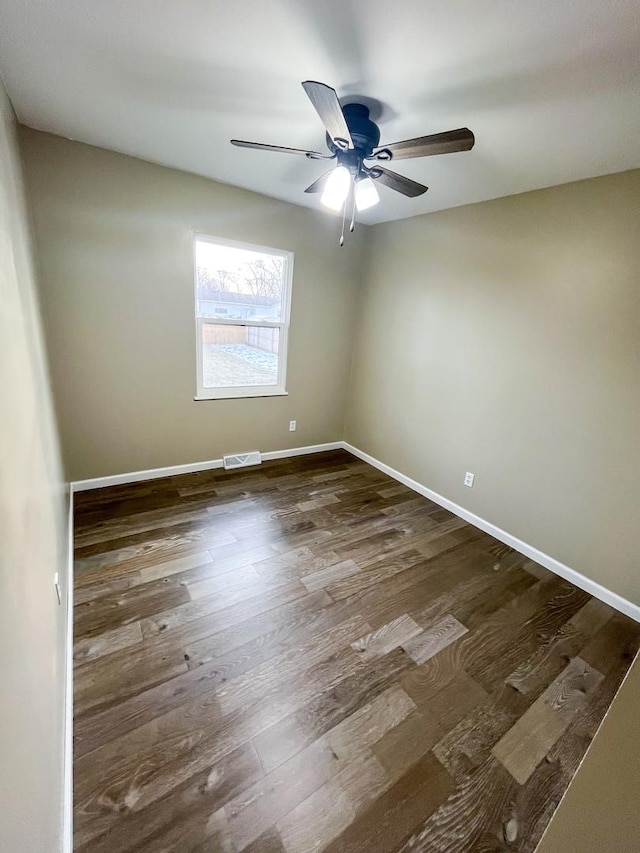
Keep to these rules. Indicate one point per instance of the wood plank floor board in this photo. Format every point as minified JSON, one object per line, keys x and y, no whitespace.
{"x":407,"y":504}
{"x":272,"y":797}
{"x":617,"y":638}
{"x":372,"y":575}
{"x":527,"y":742}
{"x":157,"y":541}
{"x":121,"y":608}
{"x":126,"y":672}
{"x":593,"y":616}
{"x":429,"y":642}
{"x":90,"y":648}
{"x":229,"y":609}
{"x":210,"y":615}
{"x":153,"y":522}
{"x":191,"y":737}
{"x":479,"y":806}
{"x":245,"y":581}
{"x":295,"y":564}
{"x":316,"y":536}
{"x":271,"y":631}
{"x":149,"y":761}
{"x":96,"y":505}
{"x":468,"y":744}
{"x":370,"y":723}
{"x":241,"y":682}
{"x":290,"y":665}
{"x":416,"y":514}
{"x":386,"y":638}
{"x":454,"y":701}
{"x":476,"y":597}
{"x":177,"y":574}
{"x":231,"y":557}
{"x":363,"y":545}
{"x":282,"y":526}
{"x":225,"y":666}
{"x":329,"y":708}
{"x":269,"y":842}
{"x":490,"y":651}
{"x":533,"y":806}
{"x":317,"y":502}
{"x":431,"y":545}
{"x":177,"y":566}
{"x":407,"y":742}
{"x":570,"y":748}
{"x":102,"y":727}
{"x":493,"y":672}
{"x":179,"y":820}
{"x":168,"y":751}
{"x":84,"y":593}
{"x":118,"y":564}
{"x":547,"y":661}
{"x":572,"y":688}
{"x":409,"y":588}
{"x":392,"y":818}
{"x":324,"y":815}
{"x":322,"y":578}
{"x":283,"y":626}
{"x":390,"y":491}
{"x":524,"y":746}
{"x":423,"y":682}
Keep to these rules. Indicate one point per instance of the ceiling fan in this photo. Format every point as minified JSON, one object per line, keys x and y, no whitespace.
{"x":353,"y":142}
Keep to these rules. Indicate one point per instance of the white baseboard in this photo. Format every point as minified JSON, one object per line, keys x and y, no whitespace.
{"x":191,"y":468}
{"x":302,"y":451}
{"x":595,"y":589}
{"x":67,"y":782}
{"x":139,"y":476}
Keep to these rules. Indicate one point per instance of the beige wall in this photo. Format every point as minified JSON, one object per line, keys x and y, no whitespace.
{"x":503,"y":338}
{"x":114,"y":237}
{"x":32,"y":543}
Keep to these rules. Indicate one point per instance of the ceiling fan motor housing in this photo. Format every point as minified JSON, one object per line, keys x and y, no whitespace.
{"x":364,"y":132}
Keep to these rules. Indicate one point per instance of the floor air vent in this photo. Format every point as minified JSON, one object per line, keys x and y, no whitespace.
{"x":242,"y":460}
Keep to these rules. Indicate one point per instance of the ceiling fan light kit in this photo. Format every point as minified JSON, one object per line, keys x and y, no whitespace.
{"x":366,"y":194}
{"x":353,"y":139}
{"x":336,"y":188}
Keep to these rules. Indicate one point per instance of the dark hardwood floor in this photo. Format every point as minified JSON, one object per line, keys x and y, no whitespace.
{"x":308,"y":656}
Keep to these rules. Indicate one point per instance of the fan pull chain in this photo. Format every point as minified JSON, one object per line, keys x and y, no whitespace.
{"x":353,"y":214}
{"x":344,"y":216}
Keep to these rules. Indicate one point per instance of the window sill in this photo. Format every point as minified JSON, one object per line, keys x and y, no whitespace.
{"x":241,"y":394}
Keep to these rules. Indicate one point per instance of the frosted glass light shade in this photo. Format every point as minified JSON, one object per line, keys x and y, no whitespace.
{"x":337,"y":188}
{"x":366,"y":194}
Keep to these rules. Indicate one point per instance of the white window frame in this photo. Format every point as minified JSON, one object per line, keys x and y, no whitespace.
{"x":239,"y":391}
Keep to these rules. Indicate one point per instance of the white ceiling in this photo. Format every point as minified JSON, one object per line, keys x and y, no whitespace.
{"x":549,"y":87}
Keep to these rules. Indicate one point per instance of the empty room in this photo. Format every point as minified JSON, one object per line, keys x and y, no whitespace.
{"x":319,"y":447}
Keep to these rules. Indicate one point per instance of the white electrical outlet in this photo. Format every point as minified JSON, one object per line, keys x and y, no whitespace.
{"x":469,"y":478}
{"x":292,"y":426}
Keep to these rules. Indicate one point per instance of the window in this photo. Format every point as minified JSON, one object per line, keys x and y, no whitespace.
{"x":243,"y":298}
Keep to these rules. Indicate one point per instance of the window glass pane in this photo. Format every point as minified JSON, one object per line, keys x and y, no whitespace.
{"x":239,"y":284}
{"x":239,"y":355}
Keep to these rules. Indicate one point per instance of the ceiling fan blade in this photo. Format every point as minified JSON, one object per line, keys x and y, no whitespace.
{"x":318,"y":186}
{"x":448,"y":142}
{"x":312,"y":155}
{"x":326,"y":103}
{"x":397,"y":182}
